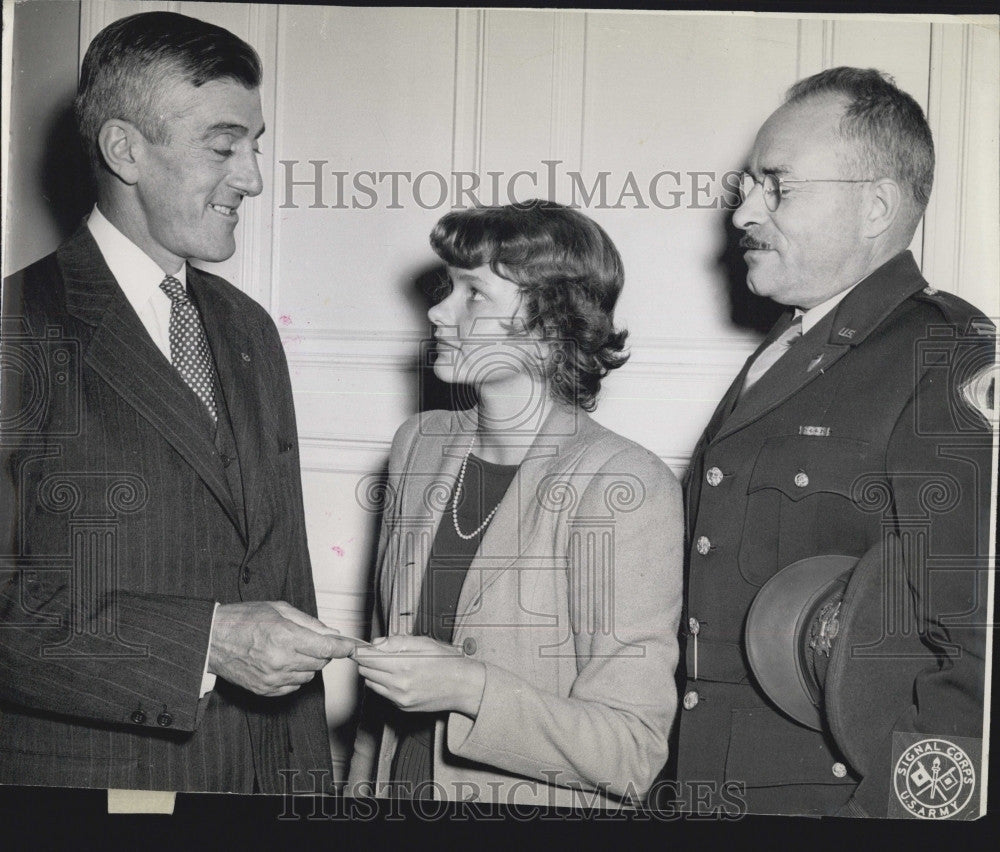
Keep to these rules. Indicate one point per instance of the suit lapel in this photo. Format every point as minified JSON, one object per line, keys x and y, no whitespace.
{"x":123,"y":354}
{"x":231,"y":349}
{"x":845,"y":327}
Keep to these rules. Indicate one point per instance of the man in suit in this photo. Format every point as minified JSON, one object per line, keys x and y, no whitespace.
{"x":157,"y":610}
{"x":854,"y":429}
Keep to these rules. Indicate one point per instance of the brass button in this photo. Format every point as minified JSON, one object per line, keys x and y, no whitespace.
{"x":839,"y":770}
{"x":164,"y":720}
{"x":469,"y":646}
{"x":713,"y":476}
{"x":694,"y":626}
{"x":690,"y":700}
{"x":139,"y":717}
{"x":703,"y":545}
{"x":801,"y":479}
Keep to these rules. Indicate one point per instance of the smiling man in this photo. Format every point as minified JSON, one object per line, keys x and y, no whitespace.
{"x":838,"y":502}
{"x":157,"y":610}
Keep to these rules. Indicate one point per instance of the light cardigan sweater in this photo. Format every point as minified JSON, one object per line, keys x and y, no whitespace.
{"x":572,"y":603}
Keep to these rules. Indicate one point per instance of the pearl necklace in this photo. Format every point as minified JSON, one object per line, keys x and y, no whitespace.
{"x":457,"y":495}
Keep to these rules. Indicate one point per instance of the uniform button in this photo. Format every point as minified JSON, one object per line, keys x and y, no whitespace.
{"x":839,"y":770}
{"x":694,"y":626}
{"x":246,"y":575}
{"x":164,"y":720}
{"x":226,"y":460}
{"x":690,"y":700}
{"x":713,"y":476}
{"x":469,"y":646}
{"x":801,"y":479}
{"x":703,"y":545}
{"x":139,"y":717}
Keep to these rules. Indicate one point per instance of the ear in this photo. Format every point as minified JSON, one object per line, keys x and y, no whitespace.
{"x":120,"y":144}
{"x":886,"y":200}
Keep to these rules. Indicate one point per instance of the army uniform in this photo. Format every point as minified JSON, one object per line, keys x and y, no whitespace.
{"x":859,"y":435}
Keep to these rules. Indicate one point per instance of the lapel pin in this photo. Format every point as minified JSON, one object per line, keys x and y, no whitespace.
{"x":846,"y":332}
{"x":815,"y":431}
{"x":245,"y":357}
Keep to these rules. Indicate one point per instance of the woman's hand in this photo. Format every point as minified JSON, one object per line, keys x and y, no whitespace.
{"x":418,"y":674}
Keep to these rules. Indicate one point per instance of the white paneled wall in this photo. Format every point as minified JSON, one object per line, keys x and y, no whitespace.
{"x":632,"y":94}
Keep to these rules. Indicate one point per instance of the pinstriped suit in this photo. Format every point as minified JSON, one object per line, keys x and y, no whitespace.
{"x":124,"y":530}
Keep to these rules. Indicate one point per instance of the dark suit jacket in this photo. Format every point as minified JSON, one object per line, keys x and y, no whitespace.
{"x":123,"y":530}
{"x":898,"y":455}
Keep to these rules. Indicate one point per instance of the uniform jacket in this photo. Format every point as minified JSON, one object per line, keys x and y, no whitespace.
{"x":122,"y":530}
{"x":858,"y":438}
{"x":571,"y":603}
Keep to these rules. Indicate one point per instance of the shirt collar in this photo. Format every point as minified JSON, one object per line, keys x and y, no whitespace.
{"x":817,"y":312}
{"x":136,"y":272}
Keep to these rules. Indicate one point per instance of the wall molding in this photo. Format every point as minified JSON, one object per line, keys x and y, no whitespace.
{"x":470,"y":91}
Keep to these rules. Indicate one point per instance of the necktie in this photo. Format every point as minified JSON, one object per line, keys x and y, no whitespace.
{"x":769,"y":357}
{"x":188,"y":345}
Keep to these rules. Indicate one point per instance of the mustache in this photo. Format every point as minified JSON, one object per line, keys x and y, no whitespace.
{"x":748,"y":242}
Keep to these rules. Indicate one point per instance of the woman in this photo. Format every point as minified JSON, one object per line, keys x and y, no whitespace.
{"x":528,"y":582}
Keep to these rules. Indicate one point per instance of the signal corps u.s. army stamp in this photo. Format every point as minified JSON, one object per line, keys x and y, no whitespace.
{"x":934,"y":777}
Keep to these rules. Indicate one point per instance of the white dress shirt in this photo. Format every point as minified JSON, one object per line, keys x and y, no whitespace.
{"x":816,"y":313}
{"x":139,"y":276}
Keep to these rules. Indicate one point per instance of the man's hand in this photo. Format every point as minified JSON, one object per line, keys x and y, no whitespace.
{"x":270,"y":647}
{"x":416,"y":673}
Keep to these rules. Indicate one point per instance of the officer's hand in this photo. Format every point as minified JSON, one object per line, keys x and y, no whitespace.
{"x":270,"y":647}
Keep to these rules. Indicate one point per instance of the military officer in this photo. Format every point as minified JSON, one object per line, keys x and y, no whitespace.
{"x":857,"y":428}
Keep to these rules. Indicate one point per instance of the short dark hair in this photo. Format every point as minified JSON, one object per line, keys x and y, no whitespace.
{"x":570,"y":273}
{"x":132,"y":59}
{"x":886,"y":124}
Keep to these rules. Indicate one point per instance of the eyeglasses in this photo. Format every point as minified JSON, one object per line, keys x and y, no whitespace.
{"x":772,"y":186}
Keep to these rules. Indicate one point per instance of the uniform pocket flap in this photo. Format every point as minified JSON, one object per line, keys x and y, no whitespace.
{"x":798,"y":465}
{"x":766,"y":750}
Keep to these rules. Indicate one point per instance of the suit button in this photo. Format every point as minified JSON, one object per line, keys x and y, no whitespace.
{"x":713,"y":476}
{"x":839,"y":770}
{"x":164,"y":720}
{"x":703,"y":545}
{"x":690,"y":700}
{"x":246,"y":575}
{"x":469,"y":646}
{"x":139,"y":717}
{"x":801,"y":479}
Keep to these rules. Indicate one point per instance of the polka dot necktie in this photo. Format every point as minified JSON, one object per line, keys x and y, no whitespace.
{"x":188,"y":344}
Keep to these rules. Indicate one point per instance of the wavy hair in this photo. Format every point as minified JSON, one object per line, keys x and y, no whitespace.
{"x":570,"y":275}
{"x":133,"y":60}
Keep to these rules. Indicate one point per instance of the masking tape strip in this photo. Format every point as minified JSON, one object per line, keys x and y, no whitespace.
{"x":141,"y":802}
